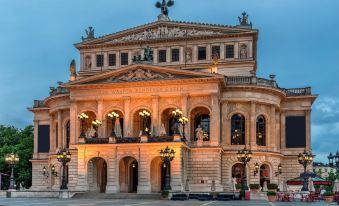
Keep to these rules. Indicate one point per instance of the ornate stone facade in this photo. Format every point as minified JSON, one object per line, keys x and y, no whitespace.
{"x":225,"y":105}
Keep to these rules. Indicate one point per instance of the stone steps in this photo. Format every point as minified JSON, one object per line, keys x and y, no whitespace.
{"x":258,"y":196}
{"x":96,"y":195}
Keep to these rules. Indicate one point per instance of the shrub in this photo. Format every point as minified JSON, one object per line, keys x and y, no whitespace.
{"x":328,"y":193}
{"x":237,"y":186}
{"x":271,"y":193}
{"x":254,"y":186}
{"x":272,"y":186}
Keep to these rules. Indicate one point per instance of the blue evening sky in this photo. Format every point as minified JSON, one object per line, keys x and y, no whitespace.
{"x":298,"y":41}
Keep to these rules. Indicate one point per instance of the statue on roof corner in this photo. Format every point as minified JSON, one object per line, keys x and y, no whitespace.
{"x":243,"y":21}
{"x":89,"y":33}
{"x":164,"y":9}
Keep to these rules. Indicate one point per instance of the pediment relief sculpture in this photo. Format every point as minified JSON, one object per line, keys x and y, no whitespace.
{"x":163,"y":32}
{"x":141,"y":75}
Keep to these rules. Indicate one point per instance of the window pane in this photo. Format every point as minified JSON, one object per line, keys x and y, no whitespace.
{"x":175,"y":55}
{"x":216,"y":50}
{"x":124,"y":59}
{"x":261,"y":131}
{"x":229,"y":51}
{"x":201,"y":53}
{"x":162,"y":55}
{"x":112,"y":59}
{"x":100,"y":60}
{"x":238,"y":130}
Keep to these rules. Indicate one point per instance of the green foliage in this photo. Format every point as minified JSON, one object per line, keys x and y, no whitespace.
{"x":237,"y":186}
{"x":254,"y":186}
{"x":272,"y":186}
{"x":332,"y":176}
{"x":20,"y":142}
{"x":271,"y":193}
{"x":328,"y":193}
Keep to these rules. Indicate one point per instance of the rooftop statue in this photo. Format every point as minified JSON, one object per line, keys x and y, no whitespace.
{"x":243,"y":21}
{"x":164,"y":9}
{"x":89,"y":33}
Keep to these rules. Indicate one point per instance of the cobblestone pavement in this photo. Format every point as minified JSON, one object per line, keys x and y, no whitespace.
{"x":124,"y":202}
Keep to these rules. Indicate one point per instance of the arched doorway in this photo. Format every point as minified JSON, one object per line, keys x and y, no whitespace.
{"x":238,"y":172}
{"x":97,"y":174}
{"x":168,"y":122}
{"x":128,"y":174}
{"x":115,"y":125}
{"x":200,"y":120}
{"x":87,"y":129}
{"x":157,"y":174}
{"x":138,"y":123}
{"x":264,"y":174}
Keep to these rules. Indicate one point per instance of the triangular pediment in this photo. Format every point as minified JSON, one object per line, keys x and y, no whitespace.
{"x":165,"y":30}
{"x":142,"y":73}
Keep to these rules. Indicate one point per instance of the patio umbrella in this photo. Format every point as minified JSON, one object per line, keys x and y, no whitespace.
{"x":117,"y":128}
{"x":336,"y":186}
{"x":264,"y":188}
{"x":311,"y":185}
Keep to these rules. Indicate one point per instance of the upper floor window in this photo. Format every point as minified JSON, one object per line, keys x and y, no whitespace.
{"x":202,"y":127}
{"x":216,"y":51}
{"x":238,"y":129}
{"x":201,"y":53}
{"x":112,"y":59}
{"x":124,"y":58}
{"x":100,"y":60}
{"x":243,"y":51}
{"x":261,"y":131}
{"x":229,"y":51}
{"x":68,"y":134}
{"x":162,"y":56}
{"x":175,"y":55}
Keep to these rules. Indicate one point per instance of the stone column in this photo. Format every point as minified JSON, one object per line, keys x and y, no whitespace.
{"x":155,"y":56}
{"x":184,"y":102}
{"x":252,"y":125}
{"x":144,"y":184}
{"x":94,"y":61}
{"x":105,"y":60}
{"x":155,"y":116}
{"x":60,"y":133}
{"x":112,"y":173}
{"x":51,"y":135}
{"x":127,"y":117}
{"x":168,"y":55}
{"x":74,"y":123}
{"x":100,"y":117}
{"x":117,"y":58}
{"x":226,"y":130}
{"x":130,"y":57}
{"x":82,"y":184}
{"x":208,"y":52}
{"x":236,"y":50}
{"x":308,"y":129}
{"x":271,"y":128}
{"x":176,"y":171}
{"x":36,"y":130}
{"x":282,"y":129}
{"x":181,"y":55}
{"x":222,"y":51}
{"x":195,"y":54}
{"x":215,"y":120}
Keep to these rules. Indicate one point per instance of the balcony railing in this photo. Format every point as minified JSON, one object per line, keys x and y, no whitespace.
{"x":125,"y":140}
{"x":58,"y":90}
{"x":39,"y":104}
{"x":253,"y":80}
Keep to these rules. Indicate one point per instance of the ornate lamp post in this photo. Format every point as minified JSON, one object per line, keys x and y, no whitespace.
{"x":53,"y":172}
{"x":167,"y":155}
{"x":177,"y":115}
{"x":144,"y":116}
{"x":183,"y":121}
{"x":12,"y":159}
{"x":113,"y":116}
{"x":279,"y":172}
{"x":96,"y":124}
{"x":64,"y":156}
{"x":305,"y":159}
{"x":82,"y":118}
{"x":333,"y":161}
{"x":244,"y":156}
{"x":256,"y":169}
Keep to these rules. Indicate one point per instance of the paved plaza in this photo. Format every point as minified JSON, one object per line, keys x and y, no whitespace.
{"x":125,"y":202}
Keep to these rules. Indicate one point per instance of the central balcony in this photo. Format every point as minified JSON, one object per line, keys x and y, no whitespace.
{"x":129,"y":140}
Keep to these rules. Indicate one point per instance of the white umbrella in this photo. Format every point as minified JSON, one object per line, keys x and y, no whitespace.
{"x":336,"y":186}
{"x":311,"y":185}
{"x":117,"y":128}
{"x":264,"y":188}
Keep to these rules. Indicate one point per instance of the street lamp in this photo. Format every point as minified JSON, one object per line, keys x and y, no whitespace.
{"x":167,"y":155}
{"x":244,"y":156}
{"x":279,"y":170}
{"x":183,"y":121}
{"x":53,"y":172}
{"x":256,"y":169}
{"x":82,"y":118}
{"x":64,"y":156}
{"x":305,"y":159}
{"x":113,"y":115}
{"x":177,"y":114}
{"x":96,"y":124}
{"x":12,"y":159}
{"x":144,"y":116}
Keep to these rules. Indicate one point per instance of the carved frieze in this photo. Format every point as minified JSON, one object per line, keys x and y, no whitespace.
{"x":163,"y":32}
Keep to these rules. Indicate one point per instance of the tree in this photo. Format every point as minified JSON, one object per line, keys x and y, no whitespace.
{"x":20,"y":142}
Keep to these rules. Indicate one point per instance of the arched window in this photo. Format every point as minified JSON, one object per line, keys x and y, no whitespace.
{"x":261,"y":131}
{"x":264,"y":174}
{"x":68,"y":134}
{"x":202,"y":121}
{"x":238,"y":129}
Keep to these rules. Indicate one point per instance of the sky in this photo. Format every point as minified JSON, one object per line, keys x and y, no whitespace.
{"x":298,"y":41}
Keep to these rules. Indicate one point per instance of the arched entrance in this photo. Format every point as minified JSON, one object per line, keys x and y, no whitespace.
{"x":138,"y":123}
{"x":168,"y":122}
{"x":115,"y":125}
{"x":264,"y":174}
{"x":238,"y":172}
{"x":157,"y":175}
{"x":200,"y":120}
{"x":97,"y":174}
{"x":128,"y":174}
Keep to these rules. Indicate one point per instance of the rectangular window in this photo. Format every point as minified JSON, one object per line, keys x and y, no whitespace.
{"x":162,"y":56}
{"x":43,"y":138}
{"x":229,"y":51}
{"x":124,"y":58}
{"x":100,"y":60}
{"x":295,"y":132}
{"x":175,"y":55}
{"x":216,"y":50}
{"x":112,"y":60}
{"x":201,"y":53}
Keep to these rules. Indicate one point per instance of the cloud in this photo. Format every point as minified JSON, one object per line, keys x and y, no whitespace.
{"x":328,"y":106}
